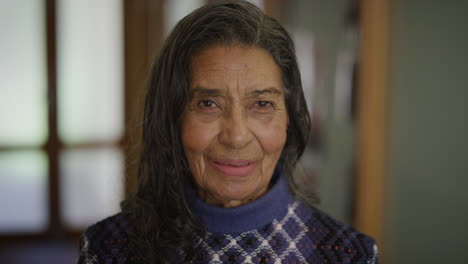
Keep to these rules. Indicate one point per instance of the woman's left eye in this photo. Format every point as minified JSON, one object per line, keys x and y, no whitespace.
{"x":263,"y":104}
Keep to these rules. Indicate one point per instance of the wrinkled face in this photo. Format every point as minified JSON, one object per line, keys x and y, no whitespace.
{"x":234,"y":127}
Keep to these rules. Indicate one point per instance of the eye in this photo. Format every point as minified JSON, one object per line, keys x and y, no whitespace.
{"x":263,"y":104}
{"x":263,"y":107}
{"x":206,"y":104}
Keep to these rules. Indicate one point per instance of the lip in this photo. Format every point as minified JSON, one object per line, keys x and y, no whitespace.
{"x":235,"y":168}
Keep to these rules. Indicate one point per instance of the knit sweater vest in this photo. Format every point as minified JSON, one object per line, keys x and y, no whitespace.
{"x":276,"y":228}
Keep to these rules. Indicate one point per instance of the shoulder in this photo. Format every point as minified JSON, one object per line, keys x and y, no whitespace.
{"x":105,"y":241}
{"x":334,"y":241}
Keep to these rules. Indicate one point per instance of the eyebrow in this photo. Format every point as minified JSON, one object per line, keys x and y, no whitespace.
{"x":204,"y":91}
{"x":270,"y":90}
{"x":197,"y":91}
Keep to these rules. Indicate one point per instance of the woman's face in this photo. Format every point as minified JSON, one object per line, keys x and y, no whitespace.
{"x":234,"y":128}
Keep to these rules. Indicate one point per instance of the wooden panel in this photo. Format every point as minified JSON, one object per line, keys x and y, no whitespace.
{"x":143,"y":27}
{"x":372,"y":120}
{"x":53,"y":144}
{"x":274,"y":8}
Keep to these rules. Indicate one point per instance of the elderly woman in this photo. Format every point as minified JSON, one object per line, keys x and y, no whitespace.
{"x":225,"y":122}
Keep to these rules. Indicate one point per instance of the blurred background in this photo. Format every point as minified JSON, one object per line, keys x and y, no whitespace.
{"x":386,"y":85}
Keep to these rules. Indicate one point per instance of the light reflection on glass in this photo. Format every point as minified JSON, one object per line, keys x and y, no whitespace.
{"x":23,"y":97}
{"x":23,"y":192}
{"x":91,"y":185}
{"x":90,"y":70}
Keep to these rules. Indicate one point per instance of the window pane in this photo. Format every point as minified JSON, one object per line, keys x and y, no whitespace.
{"x":90,"y":76}
{"x":23,"y":192}
{"x":91,"y":185}
{"x":259,"y":3}
{"x":23,"y":100}
{"x":175,"y":10}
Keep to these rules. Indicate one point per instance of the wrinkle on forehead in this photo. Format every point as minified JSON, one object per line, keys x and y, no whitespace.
{"x":201,"y":91}
{"x":208,"y":59}
{"x":235,"y":69}
{"x":231,"y":71}
{"x":221,"y":77}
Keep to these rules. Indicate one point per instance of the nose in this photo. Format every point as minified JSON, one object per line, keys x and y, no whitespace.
{"x":235,"y":132}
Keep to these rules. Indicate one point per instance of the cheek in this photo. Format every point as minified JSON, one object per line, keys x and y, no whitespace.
{"x":196,"y":138}
{"x":272,"y":136}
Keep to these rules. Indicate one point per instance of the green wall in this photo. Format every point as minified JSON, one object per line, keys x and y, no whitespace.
{"x":427,"y":209}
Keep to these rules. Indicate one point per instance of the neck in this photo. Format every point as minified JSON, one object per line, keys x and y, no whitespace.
{"x":212,"y":200}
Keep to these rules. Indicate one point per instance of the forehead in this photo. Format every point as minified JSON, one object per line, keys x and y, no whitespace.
{"x":224,"y":66}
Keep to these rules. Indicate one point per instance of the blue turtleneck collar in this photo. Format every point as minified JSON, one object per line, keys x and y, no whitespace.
{"x":254,"y":215}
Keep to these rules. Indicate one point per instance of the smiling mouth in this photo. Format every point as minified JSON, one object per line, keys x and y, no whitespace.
{"x":236,"y":168}
{"x":233,"y":164}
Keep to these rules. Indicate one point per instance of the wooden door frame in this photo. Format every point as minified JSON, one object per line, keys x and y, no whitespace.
{"x":372,"y":117}
{"x":143,"y":33}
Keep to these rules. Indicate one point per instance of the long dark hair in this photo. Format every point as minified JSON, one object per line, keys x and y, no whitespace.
{"x":163,"y":225}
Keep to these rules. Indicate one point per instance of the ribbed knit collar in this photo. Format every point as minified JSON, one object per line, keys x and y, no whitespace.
{"x":254,"y":215}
